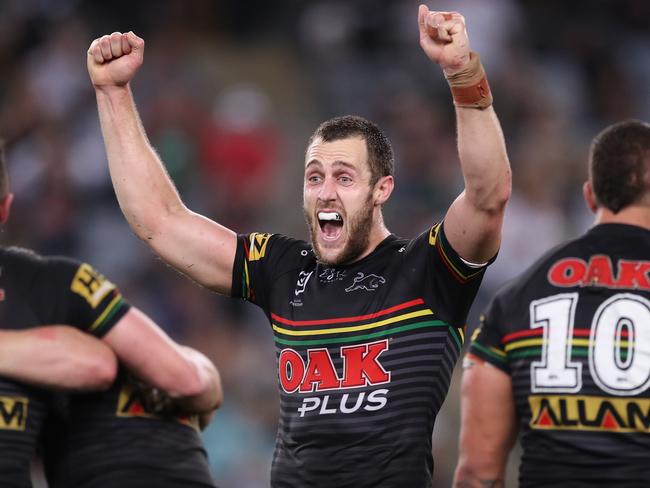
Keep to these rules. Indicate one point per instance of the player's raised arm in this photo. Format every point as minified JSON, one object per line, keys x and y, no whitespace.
{"x":193,"y":244}
{"x":488,"y":427}
{"x":473,"y":222}
{"x":56,"y":356}
{"x":183,"y":373}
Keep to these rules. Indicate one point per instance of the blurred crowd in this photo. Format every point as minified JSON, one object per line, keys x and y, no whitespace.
{"x":229,"y":93}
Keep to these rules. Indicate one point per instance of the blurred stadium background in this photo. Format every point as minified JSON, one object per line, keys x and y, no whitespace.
{"x":229,"y":93}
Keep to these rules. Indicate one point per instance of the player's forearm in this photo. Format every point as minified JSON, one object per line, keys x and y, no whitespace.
{"x":483,"y":159}
{"x":58,"y":357}
{"x":144,"y":190}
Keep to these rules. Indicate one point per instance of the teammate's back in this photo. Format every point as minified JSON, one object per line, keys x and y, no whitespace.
{"x":580,"y":364}
{"x":124,"y":437}
{"x":36,"y":291}
{"x":572,"y":336}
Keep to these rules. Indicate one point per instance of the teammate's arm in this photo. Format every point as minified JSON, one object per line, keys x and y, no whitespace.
{"x":488,"y":425}
{"x":473,"y":222}
{"x":183,"y":373}
{"x":193,"y":244}
{"x":57,"y":357}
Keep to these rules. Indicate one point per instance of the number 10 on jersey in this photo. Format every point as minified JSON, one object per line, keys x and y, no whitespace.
{"x":618,"y":347}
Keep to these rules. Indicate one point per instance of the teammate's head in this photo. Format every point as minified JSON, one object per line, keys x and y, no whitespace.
{"x":348,"y":177}
{"x":619,"y":166}
{"x":5,"y":196}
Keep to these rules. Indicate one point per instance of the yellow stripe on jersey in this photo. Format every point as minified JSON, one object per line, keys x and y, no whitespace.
{"x":108,"y":310}
{"x":337,"y":330}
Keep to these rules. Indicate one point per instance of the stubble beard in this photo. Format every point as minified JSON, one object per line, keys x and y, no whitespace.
{"x":358,"y":235}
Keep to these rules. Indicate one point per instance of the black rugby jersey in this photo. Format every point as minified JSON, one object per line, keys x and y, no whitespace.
{"x":36,"y":291}
{"x":117,"y":438}
{"x":365,"y":354}
{"x":574,"y":334}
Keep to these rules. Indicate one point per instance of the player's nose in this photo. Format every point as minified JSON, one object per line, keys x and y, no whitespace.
{"x":327,"y":190}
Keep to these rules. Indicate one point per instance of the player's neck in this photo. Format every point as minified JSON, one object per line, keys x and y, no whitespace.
{"x":378,"y":233}
{"x":638,"y":215}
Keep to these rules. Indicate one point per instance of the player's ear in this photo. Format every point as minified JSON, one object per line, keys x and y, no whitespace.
{"x":5,"y":207}
{"x":383,"y":189}
{"x":590,"y":198}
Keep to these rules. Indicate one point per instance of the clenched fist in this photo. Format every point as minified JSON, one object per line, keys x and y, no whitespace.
{"x":113,"y":60}
{"x":443,"y":38}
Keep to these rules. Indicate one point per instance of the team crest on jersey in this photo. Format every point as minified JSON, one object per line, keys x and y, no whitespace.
{"x":366,"y":282}
{"x":13,"y":413}
{"x":258,"y":244}
{"x":91,"y":285}
{"x":590,"y":413}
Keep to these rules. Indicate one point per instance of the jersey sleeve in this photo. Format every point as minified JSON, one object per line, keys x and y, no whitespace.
{"x":449,"y":283}
{"x":259,"y":260}
{"x":83,"y":298}
{"x":486,"y":340}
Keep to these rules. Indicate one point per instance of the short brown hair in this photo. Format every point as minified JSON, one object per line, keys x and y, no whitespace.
{"x":380,"y":152}
{"x":4,"y":175}
{"x":619,"y":164}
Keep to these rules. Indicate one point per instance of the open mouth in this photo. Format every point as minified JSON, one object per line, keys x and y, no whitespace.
{"x":331,"y":225}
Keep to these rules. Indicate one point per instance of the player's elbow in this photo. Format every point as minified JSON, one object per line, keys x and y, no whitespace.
{"x":101,"y":370}
{"x":201,"y":389}
{"x":491,"y":196}
{"x":476,"y":464}
{"x":472,"y":475}
{"x":151,"y":222}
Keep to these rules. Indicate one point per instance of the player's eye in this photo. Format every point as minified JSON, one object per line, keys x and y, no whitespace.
{"x":314,"y":179}
{"x":345,"y":180}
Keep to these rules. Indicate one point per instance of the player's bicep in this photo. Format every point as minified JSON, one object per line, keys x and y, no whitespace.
{"x":473,"y":233}
{"x":488,"y":421}
{"x":197,"y":247}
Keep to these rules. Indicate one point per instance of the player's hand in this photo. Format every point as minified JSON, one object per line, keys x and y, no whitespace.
{"x":443,"y":38}
{"x":113,"y":60}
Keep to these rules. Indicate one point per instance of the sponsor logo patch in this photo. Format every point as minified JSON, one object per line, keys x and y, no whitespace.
{"x":91,"y":285}
{"x":13,"y":413}
{"x":131,"y":403}
{"x":590,"y":413}
{"x":600,"y":271}
{"x":317,"y":374}
{"x":433,"y":234}
{"x":258,"y":243}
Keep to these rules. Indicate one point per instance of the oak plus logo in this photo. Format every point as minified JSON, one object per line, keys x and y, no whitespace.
{"x":600,"y":271}
{"x":317,"y":374}
{"x":366,"y":282}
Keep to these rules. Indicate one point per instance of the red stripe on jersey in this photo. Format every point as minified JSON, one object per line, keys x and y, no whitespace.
{"x":522,"y":333}
{"x":358,"y":318}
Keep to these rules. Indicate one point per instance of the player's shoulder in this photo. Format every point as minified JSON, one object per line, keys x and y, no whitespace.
{"x":260,"y":246}
{"x":27,"y":264}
